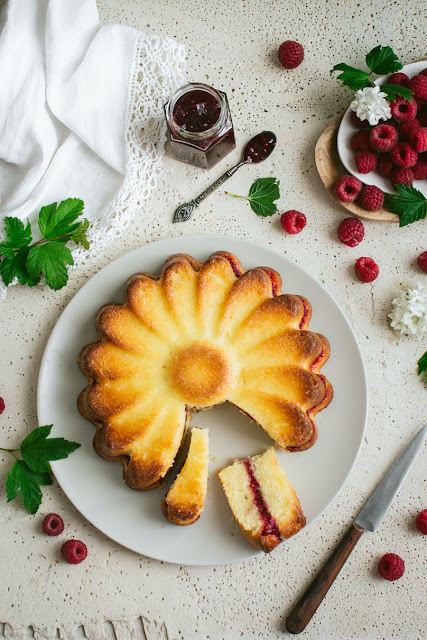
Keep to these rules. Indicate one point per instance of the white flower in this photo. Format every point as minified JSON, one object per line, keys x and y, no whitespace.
{"x":370,"y":104}
{"x":409,"y":314}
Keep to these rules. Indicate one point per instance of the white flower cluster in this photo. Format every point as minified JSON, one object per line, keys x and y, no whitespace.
{"x":371,"y":104}
{"x":409,"y":314}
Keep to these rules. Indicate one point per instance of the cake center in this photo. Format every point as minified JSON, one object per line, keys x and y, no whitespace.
{"x":202,"y":374}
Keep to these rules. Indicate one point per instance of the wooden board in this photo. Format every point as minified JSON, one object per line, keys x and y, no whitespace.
{"x":330,"y":169}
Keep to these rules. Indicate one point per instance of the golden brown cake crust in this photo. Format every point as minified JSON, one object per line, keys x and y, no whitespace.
{"x":192,"y":337}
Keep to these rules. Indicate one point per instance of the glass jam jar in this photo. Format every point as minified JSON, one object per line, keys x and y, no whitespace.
{"x":199,"y":125}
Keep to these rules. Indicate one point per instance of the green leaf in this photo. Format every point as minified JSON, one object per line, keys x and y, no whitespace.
{"x":21,"y":478}
{"x":58,"y":221}
{"x":16,"y":266}
{"x":37,"y":449}
{"x":382,"y":60}
{"x":262,"y":194}
{"x":50,"y":259}
{"x":79,"y":234}
{"x":422,"y":364}
{"x":18,"y":235}
{"x":394,"y":90}
{"x":352,"y":78}
{"x":410,"y":204}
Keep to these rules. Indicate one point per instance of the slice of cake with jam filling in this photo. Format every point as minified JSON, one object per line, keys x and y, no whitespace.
{"x":263,"y":502}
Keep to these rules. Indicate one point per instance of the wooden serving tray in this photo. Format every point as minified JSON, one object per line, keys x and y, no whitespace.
{"x":330,"y":169}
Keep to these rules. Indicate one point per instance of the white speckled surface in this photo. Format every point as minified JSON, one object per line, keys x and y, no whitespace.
{"x":232,"y":45}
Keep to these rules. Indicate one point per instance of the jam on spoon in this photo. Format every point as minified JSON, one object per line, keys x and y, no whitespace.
{"x":257,"y":150}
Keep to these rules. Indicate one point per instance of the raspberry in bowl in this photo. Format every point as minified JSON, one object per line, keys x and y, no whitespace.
{"x":408,"y":117}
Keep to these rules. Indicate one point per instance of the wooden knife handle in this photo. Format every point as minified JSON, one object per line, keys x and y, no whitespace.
{"x":307,"y":605}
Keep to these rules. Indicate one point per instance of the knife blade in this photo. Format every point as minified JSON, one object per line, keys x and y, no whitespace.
{"x":368,"y":519}
{"x":372,"y":514}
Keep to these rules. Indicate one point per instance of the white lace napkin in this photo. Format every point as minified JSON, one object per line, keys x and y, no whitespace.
{"x":81,"y":113}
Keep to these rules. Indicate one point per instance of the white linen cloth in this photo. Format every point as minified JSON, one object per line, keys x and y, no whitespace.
{"x":81,"y":114}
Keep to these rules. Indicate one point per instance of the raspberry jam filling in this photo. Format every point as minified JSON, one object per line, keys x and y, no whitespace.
{"x":234,"y":265}
{"x":274,"y":284}
{"x":270,"y":525}
{"x":196,"y":111}
{"x":305,"y":314}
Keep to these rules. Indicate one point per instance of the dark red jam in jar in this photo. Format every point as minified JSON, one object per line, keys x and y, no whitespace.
{"x":199,"y":123}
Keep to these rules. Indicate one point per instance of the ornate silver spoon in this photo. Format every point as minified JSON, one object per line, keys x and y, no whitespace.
{"x":257,"y":150}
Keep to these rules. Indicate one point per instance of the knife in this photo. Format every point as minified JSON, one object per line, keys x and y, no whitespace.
{"x":369,"y":519}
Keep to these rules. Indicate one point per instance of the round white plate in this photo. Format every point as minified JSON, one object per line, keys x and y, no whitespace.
{"x":346,"y":130}
{"x":134,"y":519}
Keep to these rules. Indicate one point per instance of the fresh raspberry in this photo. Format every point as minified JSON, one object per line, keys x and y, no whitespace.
{"x":420,"y":104}
{"x":74,"y":551}
{"x":357,"y":122}
{"x":2,"y":406}
{"x":421,"y":519}
{"x":383,"y":137}
{"x":403,"y":109}
{"x":406,"y":128}
{"x":348,"y":188}
{"x":391,"y":567}
{"x":293,"y":221}
{"x":422,"y":263}
{"x":398,"y":78}
{"x":400,"y":175}
{"x":351,"y":231}
{"x":360,"y":141}
{"x":418,"y":139}
{"x":418,"y":84}
{"x":384,"y":164}
{"x":366,"y":270}
{"x":420,"y":169}
{"x":366,"y":161}
{"x":404,"y":155}
{"x":291,"y":54}
{"x":53,"y":524}
{"x":371,"y":198}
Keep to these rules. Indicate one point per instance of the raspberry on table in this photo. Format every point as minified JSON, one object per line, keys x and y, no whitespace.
{"x":422,"y":263}
{"x":384,"y":164}
{"x":74,"y":551}
{"x":366,"y":161}
{"x":361,"y":140}
{"x":420,"y":169}
{"x":53,"y":524}
{"x":406,"y":128}
{"x":383,"y":137}
{"x":357,"y":122}
{"x":293,"y":221}
{"x":348,"y":188}
{"x":398,"y":78}
{"x":351,"y":231}
{"x":371,"y":198}
{"x":418,"y":84}
{"x":366,"y":270}
{"x":391,"y":567}
{"x":404,"y":155}
{"x":403,"y":109}
{"x":418,"y":139}
{"x":291,"y":54}
{"x":2,"y":406}
{"x":421,"y":519}
{"x":400,"y":175}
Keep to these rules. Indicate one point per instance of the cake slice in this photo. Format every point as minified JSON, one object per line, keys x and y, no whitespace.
{"x":184,"y":501}
{"x":263,"y":502}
